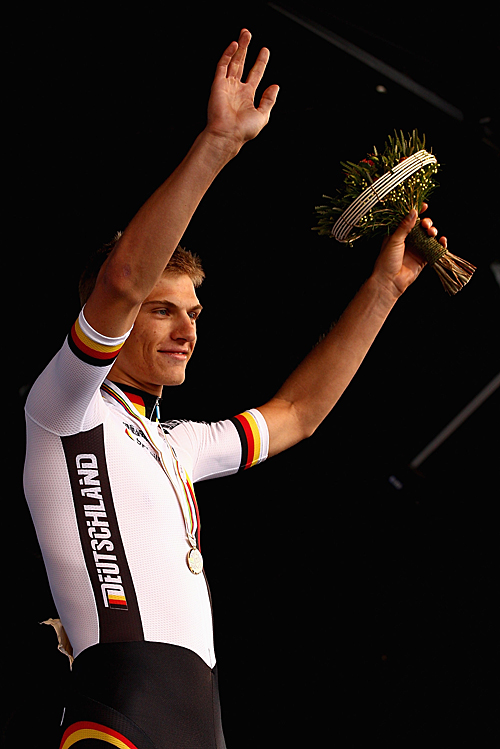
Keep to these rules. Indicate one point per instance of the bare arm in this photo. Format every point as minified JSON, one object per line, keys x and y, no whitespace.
{"x":141,"y":255}
{"x":313,"y":389}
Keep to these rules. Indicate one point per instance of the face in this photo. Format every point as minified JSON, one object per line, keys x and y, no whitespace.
{"x":163,"y":338}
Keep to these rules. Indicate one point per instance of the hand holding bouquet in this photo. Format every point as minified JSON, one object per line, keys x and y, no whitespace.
{"x":379,"y":191}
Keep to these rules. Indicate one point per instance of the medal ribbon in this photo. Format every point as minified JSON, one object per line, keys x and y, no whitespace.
{"x":187,"y":499}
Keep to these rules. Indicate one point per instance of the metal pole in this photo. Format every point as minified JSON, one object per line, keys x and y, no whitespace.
{"x":457,"y":421}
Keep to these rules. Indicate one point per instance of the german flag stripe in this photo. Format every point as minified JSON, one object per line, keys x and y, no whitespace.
{"x":121,"y":600}
{"x":248,"y":431}
{"x":98,"y":354}
{"x":87,"y":730}
{"x":138,"y":402}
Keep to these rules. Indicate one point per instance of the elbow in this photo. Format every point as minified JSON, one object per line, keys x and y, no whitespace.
{"x":118,"y":280}
{"x":308,"y":430}
{"x":306,"y":424}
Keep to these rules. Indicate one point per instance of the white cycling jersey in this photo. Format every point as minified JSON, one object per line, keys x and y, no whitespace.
{"x":110,"y":493}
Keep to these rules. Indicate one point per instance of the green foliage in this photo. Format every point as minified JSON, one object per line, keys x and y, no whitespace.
{"x":389,"y":212}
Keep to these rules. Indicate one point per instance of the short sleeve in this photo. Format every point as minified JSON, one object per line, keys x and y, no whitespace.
{"x":60,"y":400}
{"x":222,"y":448}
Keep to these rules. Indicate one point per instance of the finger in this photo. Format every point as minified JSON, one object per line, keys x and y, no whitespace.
{"x":429,"y":227}
{"x":268,"y":100}
{"x":397,"y":238}
{"x":257,"y":72}
{"x":223,"y":64}
{"x":235,"y":69}
{"x":405,"y":227}
{"x":424,"y":207}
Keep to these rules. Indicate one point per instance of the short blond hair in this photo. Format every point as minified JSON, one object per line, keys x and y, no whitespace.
{"x":182,"y":262}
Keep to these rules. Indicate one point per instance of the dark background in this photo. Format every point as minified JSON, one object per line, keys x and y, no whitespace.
{"x":346,"y":610}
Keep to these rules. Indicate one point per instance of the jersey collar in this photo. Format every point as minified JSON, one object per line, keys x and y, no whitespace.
{"x":147,"y":405}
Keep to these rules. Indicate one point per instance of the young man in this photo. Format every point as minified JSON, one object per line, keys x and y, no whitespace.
{"x":110,"y":487}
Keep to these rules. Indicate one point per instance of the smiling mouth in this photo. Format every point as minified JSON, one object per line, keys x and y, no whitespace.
{"x":176,"y":355}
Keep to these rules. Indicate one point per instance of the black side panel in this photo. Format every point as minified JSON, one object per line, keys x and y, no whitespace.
{"x":119,"y":618}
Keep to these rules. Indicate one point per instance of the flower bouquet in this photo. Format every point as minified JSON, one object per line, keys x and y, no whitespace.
{"x":379,"y":191}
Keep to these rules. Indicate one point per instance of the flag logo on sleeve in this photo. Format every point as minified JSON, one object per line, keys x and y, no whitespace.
{"x":251,"y":444}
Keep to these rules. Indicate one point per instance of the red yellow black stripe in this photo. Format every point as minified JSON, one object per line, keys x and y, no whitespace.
{"x":248,"y":430}
{"x":88,"y":730}
{"x":138,"y":402}
{"x":97,"y":354}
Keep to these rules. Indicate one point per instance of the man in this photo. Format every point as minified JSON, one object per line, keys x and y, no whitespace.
{"x":116,"y":516}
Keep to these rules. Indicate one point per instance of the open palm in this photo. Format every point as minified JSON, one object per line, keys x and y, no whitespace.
{"x":232,"y":113}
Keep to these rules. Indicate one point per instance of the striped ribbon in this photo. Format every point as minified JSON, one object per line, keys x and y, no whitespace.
{"x":186,"y":498}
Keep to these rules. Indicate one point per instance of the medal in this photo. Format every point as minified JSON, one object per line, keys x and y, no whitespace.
{"x":195,"y":561}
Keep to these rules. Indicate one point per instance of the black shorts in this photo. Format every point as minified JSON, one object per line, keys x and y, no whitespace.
{"x":142,"y":695}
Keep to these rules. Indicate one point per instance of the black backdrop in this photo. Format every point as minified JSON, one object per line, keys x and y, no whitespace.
{"x":345,"y":609}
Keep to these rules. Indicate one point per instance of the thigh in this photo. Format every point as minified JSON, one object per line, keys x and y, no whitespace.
{"x":153,"y":695}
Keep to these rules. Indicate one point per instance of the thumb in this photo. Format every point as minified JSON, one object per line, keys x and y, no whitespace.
{"x":405,"y":226}
{"x":268,"y":100}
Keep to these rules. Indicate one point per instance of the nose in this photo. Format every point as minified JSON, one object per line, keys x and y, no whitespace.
{"x":184,"y":329}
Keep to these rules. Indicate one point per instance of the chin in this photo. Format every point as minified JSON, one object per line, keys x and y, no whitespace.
{"x":174,"y":381}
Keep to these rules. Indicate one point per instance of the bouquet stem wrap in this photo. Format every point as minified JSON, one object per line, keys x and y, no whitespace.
{"x":453,"y":271}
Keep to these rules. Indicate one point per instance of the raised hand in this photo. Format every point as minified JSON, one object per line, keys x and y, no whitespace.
{"x":232,"y":114}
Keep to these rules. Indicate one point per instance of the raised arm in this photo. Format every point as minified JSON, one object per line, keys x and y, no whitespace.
{"x":141,"y":255}
{"x":313,"y":389}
